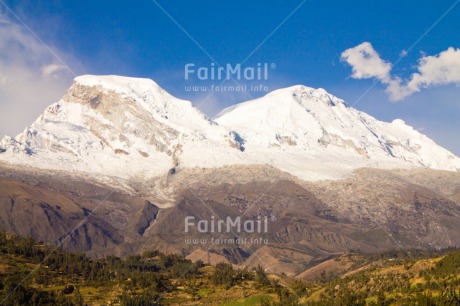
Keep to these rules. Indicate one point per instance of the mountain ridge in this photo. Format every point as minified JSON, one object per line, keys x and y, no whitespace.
{"x":106,"y":122}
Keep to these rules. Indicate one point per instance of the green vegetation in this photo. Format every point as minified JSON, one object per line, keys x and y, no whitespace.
{"x":395,"y":280}
{"x":35,"y":274}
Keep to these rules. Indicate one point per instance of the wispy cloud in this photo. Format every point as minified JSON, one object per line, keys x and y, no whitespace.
{"x":440,"y":69}
{"x":31,"y":77}
{"x":52,"y":70}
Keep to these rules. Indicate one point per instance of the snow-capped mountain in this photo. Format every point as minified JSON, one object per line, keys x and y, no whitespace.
{"x":130,"y":128}
{"x":305,"y":129}
{"x":117,"y":126}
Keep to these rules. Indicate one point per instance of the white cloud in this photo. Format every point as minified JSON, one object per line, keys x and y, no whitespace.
{"x":366,"y":62}
{"x":31,"y":77}
{"x":441,"y":69}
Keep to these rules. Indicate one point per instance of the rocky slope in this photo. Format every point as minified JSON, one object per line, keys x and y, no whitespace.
{"x":309,"y":223}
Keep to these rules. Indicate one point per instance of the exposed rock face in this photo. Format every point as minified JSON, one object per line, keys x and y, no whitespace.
{"x":81,"y":216}
{"x":307,"y":222}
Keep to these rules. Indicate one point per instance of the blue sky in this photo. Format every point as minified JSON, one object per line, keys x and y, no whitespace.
{"x":138,"y":38}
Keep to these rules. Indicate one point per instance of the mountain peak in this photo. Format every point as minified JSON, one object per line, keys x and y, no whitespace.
{"x":322,"y":129}
{"x":106,"y":122}
{"x":105,"y":93}
{"x":117,"y":83}
{"x":306,"y":92}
